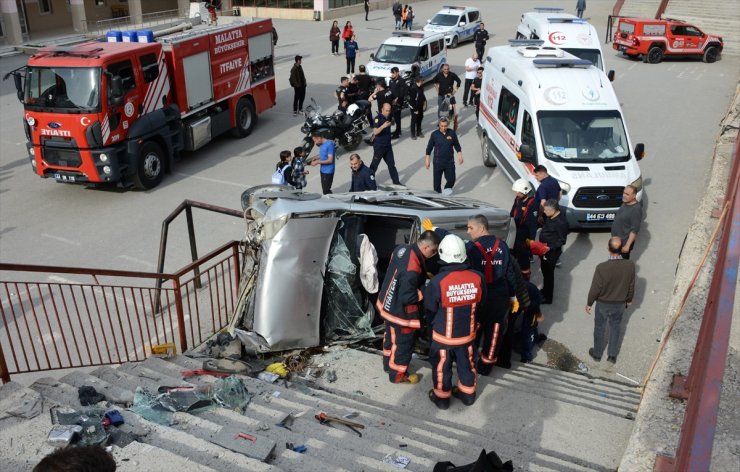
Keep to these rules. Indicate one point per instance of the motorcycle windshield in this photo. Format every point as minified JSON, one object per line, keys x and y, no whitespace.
{"x":63,"y":89}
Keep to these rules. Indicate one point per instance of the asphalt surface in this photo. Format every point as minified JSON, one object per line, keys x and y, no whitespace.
{"x":673,"y":107}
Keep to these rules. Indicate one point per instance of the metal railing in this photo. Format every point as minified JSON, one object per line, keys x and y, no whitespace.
{"x":703,"y":384}
{"x":125,"y":23}
{"x":60,"y":322}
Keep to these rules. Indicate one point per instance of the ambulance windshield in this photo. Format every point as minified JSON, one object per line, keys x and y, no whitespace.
{"x":592,"y":55}
{"x":63,"y":89}
{"x":584,"y":136}
{"x":396,"y":53}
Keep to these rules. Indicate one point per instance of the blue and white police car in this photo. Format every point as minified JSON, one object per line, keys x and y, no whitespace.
{"x":406,"y":50}
{"x":458,"y":24}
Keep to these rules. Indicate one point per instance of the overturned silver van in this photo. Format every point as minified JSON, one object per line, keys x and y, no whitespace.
{"x":300,"y":284}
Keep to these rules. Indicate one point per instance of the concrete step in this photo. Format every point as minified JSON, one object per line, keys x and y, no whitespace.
{"x":140,"y":457}
{"x":640,"y":8}
{"x":706,"y":9}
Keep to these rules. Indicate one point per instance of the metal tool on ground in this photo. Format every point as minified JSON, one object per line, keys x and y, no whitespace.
{"x":192,"y":373}
{"x":324,"y":418}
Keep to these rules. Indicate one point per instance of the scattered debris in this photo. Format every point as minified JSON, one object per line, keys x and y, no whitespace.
{"x":582,"y":367}
{"x":231,"y":393}
{"x":61,"y":435}
{"x":89,"y":396}
{"x":30,"y":408}
{"x":227,"y":366}
{"x":325,"y":419}
{"x":287,"y":422}
{"x":331,"y":376}
{"x":278,"y":368}
{"x":397,"y":461}
{"x":276,"y":394}
{"x":257,"y":447}
{"x":114,"y":417}
{"x":164,"y":350}
{"x":185,"y":374}
{"x":300,"y":448}
{"x":268,"y":377}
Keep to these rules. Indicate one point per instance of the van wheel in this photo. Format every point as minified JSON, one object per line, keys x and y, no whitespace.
{"x":710,"y":54}
{"x":149,"y":167}
{"x":245,"y":117}
{"x":454,"y":42}
{"x":485,"y":147}
{"x":654,"y":55}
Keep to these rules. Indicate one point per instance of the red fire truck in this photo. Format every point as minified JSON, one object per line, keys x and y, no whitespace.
{"x":122,"y":111}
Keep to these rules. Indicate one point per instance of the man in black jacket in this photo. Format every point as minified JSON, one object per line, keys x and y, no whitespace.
{"x":298,"y":82}
{"x":554,"y":234}
{"x":397,"y":87}
{"x":362,"y":177}
{"x":480,"y":38}
{"x":446,"y":83}
{"x":417,"y":102}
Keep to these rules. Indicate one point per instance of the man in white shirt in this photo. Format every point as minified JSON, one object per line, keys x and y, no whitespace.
{"x":471,"y":67}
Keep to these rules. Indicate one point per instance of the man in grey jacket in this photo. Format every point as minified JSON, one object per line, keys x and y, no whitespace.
{"x":612,"y":288}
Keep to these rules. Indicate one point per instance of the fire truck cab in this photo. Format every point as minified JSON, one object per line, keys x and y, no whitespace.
{"x":122,"y":111}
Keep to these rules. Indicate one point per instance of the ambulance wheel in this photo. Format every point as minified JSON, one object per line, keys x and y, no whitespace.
{"x":150,"y":166}
{"x":710,"y":55}
{"x":654,"y":55}
{"x":454,"y":42}
{"x":245,"y":117}
{"x":485,"y":147}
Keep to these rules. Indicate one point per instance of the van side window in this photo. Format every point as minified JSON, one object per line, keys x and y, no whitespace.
{"x":528,"y":131}
{"x":149,"y":67}
{"x":125,"y":71}
{"x":435,"y":48}
{"x":533,"y":35}
{"x":508,"y":109}
{"x":441,"y":44}
{"x":473,"y":16}
{"x":423,"y":53}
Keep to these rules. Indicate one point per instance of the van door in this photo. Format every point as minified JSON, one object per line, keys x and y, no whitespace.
{"x":528,"y":137}
{"x":473,"y":24}
{"x":425,"y":62}
{"x":439,"y":54}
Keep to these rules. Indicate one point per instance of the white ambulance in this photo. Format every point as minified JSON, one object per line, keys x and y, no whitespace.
{"x":562,"y":30}
{"x":541,"y":105}
{"x":406,"y":50}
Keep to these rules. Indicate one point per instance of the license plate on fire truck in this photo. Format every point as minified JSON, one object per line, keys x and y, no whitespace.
{"x":599,"y":217}
{"x":64,"y":178}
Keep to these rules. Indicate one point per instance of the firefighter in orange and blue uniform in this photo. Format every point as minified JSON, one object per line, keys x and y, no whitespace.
{"x":524,"y":212}
{"x":398,"y":303}
{"x":451,"y":301}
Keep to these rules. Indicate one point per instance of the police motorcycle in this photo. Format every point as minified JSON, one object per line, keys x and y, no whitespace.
{"x":345,"y":128}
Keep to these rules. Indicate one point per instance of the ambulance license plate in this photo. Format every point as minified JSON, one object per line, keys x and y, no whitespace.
{"x":599,"y":217}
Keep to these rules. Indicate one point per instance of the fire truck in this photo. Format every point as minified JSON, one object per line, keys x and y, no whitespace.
{"x":120,"y":111}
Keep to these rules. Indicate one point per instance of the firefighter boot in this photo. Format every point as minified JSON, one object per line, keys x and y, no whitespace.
{"x":467,"y":398}
{"x":441,"y":403}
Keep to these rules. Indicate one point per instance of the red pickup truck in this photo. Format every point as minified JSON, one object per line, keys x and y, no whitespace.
{"x":654,"y":39}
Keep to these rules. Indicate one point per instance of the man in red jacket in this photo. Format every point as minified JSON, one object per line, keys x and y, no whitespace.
{"x":398,"y":304}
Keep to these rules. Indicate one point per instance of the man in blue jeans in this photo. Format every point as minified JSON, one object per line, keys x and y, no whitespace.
{"x":325,"y":159}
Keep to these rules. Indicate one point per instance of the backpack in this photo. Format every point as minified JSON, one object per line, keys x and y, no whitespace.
{"x":278,"y":177}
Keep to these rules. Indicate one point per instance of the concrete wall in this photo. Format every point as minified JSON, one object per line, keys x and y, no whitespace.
{"x":39,"y":24}
{"x":151,"y":6}
{"x":319,"y":5}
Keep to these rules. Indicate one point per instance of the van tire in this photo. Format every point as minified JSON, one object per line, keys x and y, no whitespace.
{"x":149,"y":166}
{"x":453,"y":43}
{"x":654,"y":55}
{"x":710,"y":54}
{"x":485,"y":147}
{"x":245,"y":117}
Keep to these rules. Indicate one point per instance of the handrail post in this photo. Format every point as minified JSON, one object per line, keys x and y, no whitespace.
{"x":180,"y":315}
{"x":4,"y":374}
{"x":237,"y":267}
{"x":193,"y":246}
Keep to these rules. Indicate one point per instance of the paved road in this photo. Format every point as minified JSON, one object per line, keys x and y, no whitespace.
{"x":673,"y":107}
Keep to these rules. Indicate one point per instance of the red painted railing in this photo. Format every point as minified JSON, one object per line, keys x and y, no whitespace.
{"x":64,"y":320}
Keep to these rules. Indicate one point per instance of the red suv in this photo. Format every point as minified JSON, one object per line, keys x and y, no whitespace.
{"x":657,"y":38}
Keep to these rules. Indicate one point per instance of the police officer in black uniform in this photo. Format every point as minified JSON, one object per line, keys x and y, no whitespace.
{"x":382,"y":148}
{"x":341,"y":91}
{"x":397,"y":87}
{"x":444,"y":141}
{"x":480,"y":38}
{"x":363,"y":178}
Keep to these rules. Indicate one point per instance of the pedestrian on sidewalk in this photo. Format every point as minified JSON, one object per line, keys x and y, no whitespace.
{"x":367,"y":8}
{"x":397,"y":11}
{"x":580,"y":7}
{"x":628,"y":220}
{"x":444,"y":142}
{"x":417,"y":103}
{"x":398,"y":303}
{"x":299,"y":169}
{"x":612,"y":289}
{"x":471,"y":71}
{"x":298,"y":82}
{"x":325,"y":160}
{"x":347,"y":32}
{"x":451,"y":301}
{"x":334,"y":34}
{"x":351,"y":51}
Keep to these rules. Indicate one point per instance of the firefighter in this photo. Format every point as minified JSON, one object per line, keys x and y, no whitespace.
{"x":524,"y":212}
{"x":398,"y":304}
{"x":451,"y":302}
{"x":490,"y":256}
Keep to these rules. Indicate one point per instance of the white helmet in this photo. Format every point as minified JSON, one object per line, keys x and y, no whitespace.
{"x":452,"y":249}
{"x":352,"y":109}
{"x":522,"y":186}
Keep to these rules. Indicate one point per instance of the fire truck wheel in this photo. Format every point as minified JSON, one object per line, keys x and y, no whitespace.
{"x":654,"y":55}
{"x":149,"y":168}
{"x":246,"y":117}
{"x":710,"y":55}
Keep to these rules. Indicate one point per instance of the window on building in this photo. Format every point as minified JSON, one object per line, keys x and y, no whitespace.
{"x":45,"y":7}
{"x":508,"y":109}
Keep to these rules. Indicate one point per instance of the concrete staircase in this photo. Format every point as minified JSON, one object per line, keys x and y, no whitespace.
{"x":718,"y":17}
{"x":542,"y":419}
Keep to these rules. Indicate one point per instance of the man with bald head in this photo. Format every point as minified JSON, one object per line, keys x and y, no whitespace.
{"x":612,"y":288}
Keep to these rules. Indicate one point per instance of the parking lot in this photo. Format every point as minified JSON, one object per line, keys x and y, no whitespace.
{"x":673,"y":107}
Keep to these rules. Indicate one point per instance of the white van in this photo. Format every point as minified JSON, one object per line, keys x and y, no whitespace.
{"x":406,"y":49}
{"x":541,"y":105}
{"x":564,"y":31}
{"x":458,"y":24}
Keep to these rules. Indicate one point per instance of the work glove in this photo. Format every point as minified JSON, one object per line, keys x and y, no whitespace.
{"x":427,"y":225}
{"x":514,"y":305}
{"x":538,"y":248}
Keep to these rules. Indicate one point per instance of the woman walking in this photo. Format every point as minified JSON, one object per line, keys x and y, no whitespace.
{"x":334,"y":33}
{"x":350,"y":51}
{"x":347,"y":32}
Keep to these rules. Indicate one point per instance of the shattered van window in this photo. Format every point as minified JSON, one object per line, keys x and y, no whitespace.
{"x":346,"y":317}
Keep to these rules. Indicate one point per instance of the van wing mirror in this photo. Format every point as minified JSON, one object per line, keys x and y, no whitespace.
{"x":611,"y":75}
{"x":429,"y":21}
{"x":526,"y":153}
{"x":372,"y":56}
{"x":462,"y":23}
{"x":639,"y":151}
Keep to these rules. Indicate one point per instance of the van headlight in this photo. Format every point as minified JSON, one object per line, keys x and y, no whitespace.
{"x":637,"y":183}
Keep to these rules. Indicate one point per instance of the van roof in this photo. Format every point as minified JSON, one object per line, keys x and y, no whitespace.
{"x":412,"y":38}
{"x":553,"y":80}
{"x":455,"y":10}
{"x":576,"y":32}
